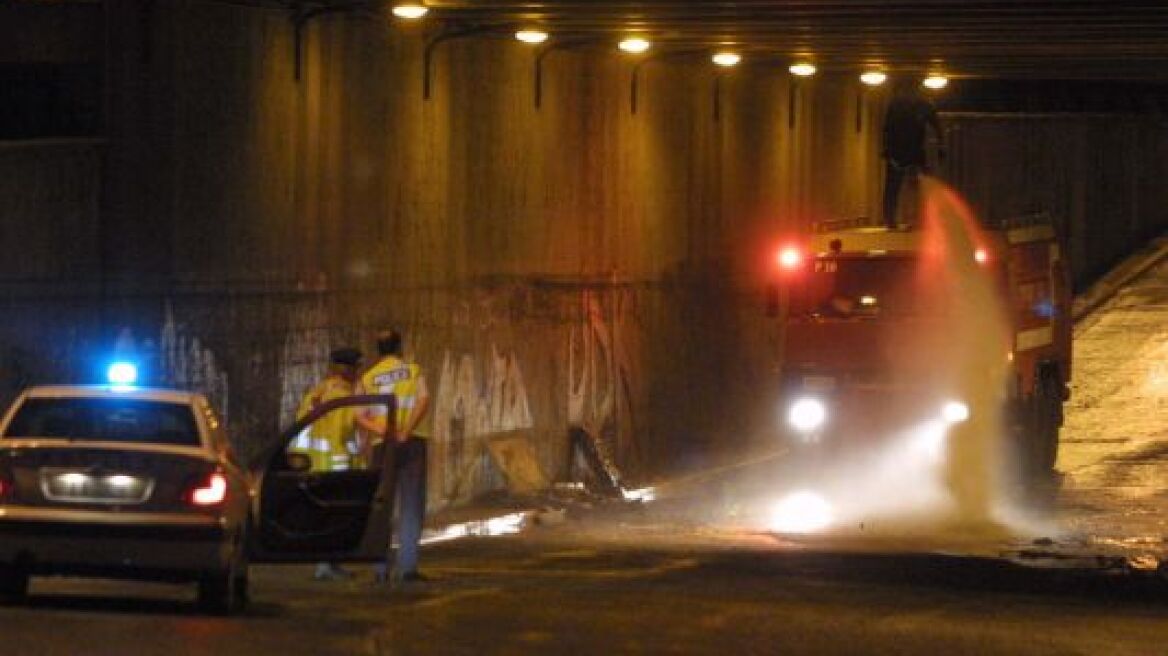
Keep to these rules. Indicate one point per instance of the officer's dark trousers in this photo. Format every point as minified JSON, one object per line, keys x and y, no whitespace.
{"x":895,"y":176}
{"x":410,"y":463}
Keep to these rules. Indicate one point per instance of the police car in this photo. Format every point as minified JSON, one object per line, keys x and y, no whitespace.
{"x":125,"y":482}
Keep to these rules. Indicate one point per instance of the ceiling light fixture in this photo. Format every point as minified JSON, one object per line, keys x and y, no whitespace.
{"x":936,"y":82}
{"x":726,"y":59}
{"x":802,"y":69}
{"x":410,"y":10}
{"x":873,"y":78}
{"x":533,"y":37}
{"x":634,"y":45}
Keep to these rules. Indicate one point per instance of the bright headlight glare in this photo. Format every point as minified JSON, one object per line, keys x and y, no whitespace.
{"x":802,"y":512}
{"x":954,"y":412}
{"x":807,"y":414}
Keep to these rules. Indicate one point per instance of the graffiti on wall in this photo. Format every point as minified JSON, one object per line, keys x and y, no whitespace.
{"x":187,"y":364}
{"x":303,"y":358}
{"x":473,"y":402}
{"x":178,"y":359}
{"x":601,"y":372}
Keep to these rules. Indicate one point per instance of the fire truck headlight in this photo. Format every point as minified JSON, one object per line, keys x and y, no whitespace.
{"x":954,"y":412}
{"x":807,"y":414}
{"x":802,"y":512}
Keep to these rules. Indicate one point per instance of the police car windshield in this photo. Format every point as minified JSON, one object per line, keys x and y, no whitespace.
{"x":105,"y":420}
{"x":863,"y":287}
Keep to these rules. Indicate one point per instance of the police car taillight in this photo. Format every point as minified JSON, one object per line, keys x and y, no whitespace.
{"x":5,"y":487}
{"x":211,"y":492}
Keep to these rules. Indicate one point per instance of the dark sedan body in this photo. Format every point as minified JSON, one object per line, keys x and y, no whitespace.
{"x":126,"y":482}
{"x":134,"y":483}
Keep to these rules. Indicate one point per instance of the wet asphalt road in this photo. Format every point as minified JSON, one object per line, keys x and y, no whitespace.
{"x":692,"y":573}
{"x":620,"y":584}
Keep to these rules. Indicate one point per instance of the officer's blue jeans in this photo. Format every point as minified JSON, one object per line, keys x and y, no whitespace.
{"x":410,"y":463}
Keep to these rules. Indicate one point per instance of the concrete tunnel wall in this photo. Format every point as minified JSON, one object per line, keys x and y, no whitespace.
{"x":1099,"y":176}
{"x":571,"y":265}
{"x":560,"y":266}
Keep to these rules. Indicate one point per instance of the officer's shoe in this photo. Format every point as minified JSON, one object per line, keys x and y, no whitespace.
{"x":405,"y":578}
{"x":330,"y":572}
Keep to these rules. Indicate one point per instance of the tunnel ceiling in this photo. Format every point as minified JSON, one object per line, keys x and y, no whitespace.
{"x":1067,"y":39}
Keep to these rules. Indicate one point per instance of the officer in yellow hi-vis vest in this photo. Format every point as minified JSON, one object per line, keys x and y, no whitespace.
{"x":393,"y":375}
{"x":330,"y":442}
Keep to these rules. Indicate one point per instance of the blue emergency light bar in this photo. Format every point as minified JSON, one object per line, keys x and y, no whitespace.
{"x":122,"y":374}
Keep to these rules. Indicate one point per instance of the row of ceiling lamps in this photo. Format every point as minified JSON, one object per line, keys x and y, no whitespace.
{"x":637,"y":45}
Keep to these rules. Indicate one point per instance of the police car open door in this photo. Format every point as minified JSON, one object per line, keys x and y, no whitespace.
{"x":324,"y":494}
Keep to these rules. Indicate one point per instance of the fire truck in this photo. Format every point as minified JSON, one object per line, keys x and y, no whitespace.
{"x":867,"y":334}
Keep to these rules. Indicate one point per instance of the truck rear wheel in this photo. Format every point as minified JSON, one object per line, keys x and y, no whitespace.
{"x":1046,"y":418}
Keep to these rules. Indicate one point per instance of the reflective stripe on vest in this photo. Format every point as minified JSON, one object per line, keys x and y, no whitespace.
{"x":320,"y":452}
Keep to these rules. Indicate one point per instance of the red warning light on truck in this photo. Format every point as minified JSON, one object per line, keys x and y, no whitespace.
{"x":789,"y":258}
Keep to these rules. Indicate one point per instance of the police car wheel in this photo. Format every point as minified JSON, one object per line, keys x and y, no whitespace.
{"x":223,"y":592}
{"x":215,"y":590}
{"x":13,"y":583}
{"x":239,"y":589}
{"x":242,"y":596}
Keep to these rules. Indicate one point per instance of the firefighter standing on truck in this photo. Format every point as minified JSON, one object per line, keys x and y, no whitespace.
{"x":393,"y":375}
{"x":331,"y":442}
{"x":906,"y":120}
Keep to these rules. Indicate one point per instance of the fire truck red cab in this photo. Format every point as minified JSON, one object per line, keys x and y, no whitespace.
{"x":866,"y":331}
